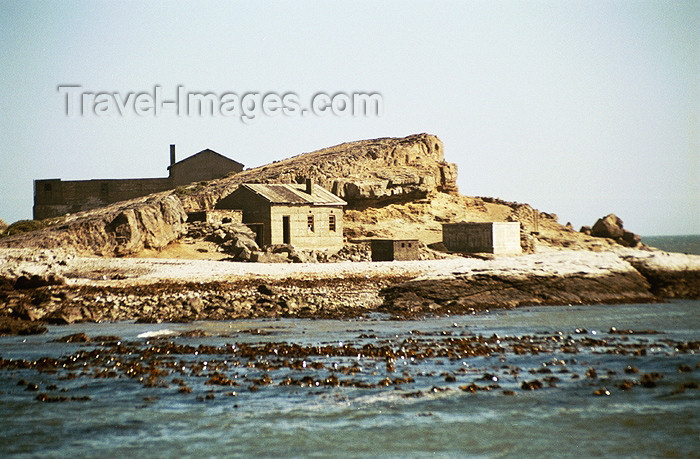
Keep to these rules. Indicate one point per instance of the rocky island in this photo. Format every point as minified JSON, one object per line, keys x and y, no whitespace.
{"x":144,"y":260}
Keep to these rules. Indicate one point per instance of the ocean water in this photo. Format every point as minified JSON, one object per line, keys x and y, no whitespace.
{"x":683,"y":244}
{"x":440,"y":387}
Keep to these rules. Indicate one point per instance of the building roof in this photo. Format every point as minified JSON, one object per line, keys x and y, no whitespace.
{"x":284,"y":193}
{"x":206,"y":151}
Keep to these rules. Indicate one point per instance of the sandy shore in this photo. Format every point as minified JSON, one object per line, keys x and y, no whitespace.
{"x":140,"y":271}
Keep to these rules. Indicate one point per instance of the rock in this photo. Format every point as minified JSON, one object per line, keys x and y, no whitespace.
{"x":585,"y":230}
{"x":265,"y":290}
{"x":532,"y":385}
{"x":7,"y":283}
{"x":267,"y":257}
{"x":119,"y":229}
{"x":671,"y":275}
{"x":11,"y":326}
{"x":23,"y":312}
{"x":37,"y":280}
{"x":69,"y":315}
{"x":75,"y":338}
{"x":631,"y":239}
{"x":465,"y":293}
{"x":609,"y":226}
{"x":195,"y":305}
{"x":244,"y":254}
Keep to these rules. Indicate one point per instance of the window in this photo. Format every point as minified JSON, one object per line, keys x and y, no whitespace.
{"x":310,"y":222}
{"x":331,"y":223}
{"x":47,"y":187}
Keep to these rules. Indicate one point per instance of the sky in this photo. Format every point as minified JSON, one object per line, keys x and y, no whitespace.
{"x":579,"y":108}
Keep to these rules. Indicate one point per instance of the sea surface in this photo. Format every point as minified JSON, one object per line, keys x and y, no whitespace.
{"x":683,"y":244}
{"x":531,"y":382}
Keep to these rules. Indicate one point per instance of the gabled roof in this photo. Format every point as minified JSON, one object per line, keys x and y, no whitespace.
{"x":284,"y":193}
{"x":206,"y":151}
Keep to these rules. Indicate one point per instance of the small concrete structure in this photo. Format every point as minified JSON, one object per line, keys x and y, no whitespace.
{"x":491,"y":237}
{"x":304,"y":216}
{"x":216,"y":216}
{"x":390,"y":249}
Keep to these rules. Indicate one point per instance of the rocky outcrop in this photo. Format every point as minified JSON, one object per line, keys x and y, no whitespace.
{"x":234,"y":239}
{"x":467,"y":293}
{"x":611,"y":226}
{"x":574,"y":277}
{"x":670,"y":275}
{"x":362,"y":173}
{"x":116,"y":230}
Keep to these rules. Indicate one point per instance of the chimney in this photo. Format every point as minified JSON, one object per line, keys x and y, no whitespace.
{"x":172,"y":154}
{"x":309,"y":186}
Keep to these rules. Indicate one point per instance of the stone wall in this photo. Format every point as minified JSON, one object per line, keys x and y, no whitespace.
{"x":301,"y":235}
{"x":56,"y":197}
{"x":216,"y":216}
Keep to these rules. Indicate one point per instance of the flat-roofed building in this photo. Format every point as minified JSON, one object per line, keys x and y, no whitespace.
{"x":482,"y":237}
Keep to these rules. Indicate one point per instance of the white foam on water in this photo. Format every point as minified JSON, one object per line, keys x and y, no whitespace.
{"x":156,"y":333}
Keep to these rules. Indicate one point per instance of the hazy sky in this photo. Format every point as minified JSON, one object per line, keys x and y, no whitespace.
{"x":578,"y":108}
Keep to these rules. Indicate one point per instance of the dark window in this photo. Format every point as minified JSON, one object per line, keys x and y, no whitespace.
{"x":331,"y":223}
{"x":310,"y":222}
{"x":47,"y":187}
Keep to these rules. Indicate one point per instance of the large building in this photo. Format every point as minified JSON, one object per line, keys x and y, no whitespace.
{"x":490,"y":237}
{"x":54,"y":197}
{"x":305,"y":216}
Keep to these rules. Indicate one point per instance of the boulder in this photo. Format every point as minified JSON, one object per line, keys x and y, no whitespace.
{"x":609,"y":226}
{"x":69,"y":315}
{"x":74,"y":338}
{"x":23,"y":312}
{"x":38,"y":280}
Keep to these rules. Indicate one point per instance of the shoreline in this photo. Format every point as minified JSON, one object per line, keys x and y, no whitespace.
{"x":52,"y":287}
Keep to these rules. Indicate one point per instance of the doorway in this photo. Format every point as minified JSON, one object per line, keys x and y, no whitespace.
{"x":286,"y":236}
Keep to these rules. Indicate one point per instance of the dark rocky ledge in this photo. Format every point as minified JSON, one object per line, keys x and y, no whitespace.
{"x":464,"y":294}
